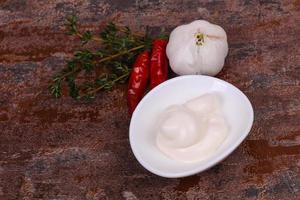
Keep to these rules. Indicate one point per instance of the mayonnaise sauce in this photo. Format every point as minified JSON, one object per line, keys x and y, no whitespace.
{"x":192,"y":131}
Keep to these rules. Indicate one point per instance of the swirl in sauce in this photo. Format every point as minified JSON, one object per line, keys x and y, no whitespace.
{"x":192,"y":131}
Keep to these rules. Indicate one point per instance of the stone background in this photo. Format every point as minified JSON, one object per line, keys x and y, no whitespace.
{"x":64,"y":149}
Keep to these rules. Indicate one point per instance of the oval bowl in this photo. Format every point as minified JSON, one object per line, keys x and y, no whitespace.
{"x":236,"y":107}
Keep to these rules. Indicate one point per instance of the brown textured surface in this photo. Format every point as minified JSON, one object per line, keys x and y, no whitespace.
{"x":63,"y":149}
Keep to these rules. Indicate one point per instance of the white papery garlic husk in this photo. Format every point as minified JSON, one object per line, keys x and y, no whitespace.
{"x":199,"y":47}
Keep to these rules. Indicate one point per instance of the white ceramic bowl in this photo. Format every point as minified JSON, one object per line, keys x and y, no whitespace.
{"x":236,"y":108}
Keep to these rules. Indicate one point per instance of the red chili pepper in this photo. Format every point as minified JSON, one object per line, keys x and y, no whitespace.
{"x":159,"y":63}
{"x":138,"y":80}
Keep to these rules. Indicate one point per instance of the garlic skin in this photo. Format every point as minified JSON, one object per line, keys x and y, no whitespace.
{"x":197,"y":48}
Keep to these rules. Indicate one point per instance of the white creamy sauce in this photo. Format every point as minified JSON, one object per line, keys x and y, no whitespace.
{"x":192,"y":131}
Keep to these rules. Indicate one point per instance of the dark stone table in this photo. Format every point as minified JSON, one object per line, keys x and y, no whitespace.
{"x":67,"y":149}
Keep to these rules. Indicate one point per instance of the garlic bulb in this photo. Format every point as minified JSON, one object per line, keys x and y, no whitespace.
{"x":197,"y":48}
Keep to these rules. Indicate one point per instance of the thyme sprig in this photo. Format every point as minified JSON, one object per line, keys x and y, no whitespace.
{"x":72,"y":29}
{"x":106,"y":81}
{"x":86,"y":36}
{"x":118,"y":48}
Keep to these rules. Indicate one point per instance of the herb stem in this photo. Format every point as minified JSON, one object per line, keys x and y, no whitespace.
{"x":102,"y":86}
{"x":103,"y":60}
{"x":137,"y":34}
{"x":97,"y":39}
{"x":120,"y":54}
{"x":118,"y":48}
{"x":122,"y":29}
{"x":69,"y":73}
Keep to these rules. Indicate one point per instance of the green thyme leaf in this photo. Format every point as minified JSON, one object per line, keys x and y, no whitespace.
{"x":116,"y":54}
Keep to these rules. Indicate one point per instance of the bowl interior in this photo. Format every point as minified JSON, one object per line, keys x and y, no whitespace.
{"x":236,"y":108}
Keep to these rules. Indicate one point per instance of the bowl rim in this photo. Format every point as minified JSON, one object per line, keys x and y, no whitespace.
{"x":208,"y":164}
